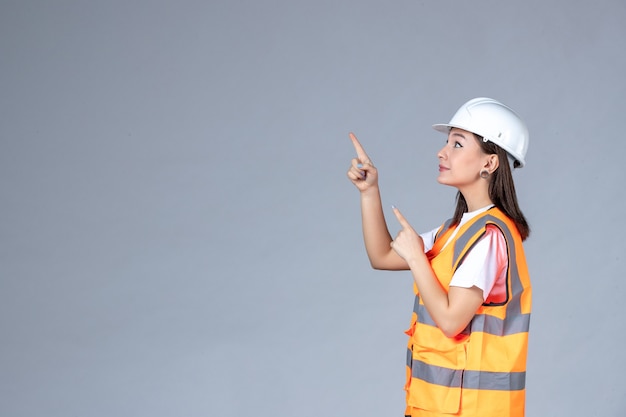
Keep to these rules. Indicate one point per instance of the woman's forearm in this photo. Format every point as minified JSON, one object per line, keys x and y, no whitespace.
{"x":451,"y":310}
{"x":376,"y":234}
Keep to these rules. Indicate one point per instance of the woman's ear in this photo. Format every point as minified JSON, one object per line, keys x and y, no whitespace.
{"x":492,"y":163}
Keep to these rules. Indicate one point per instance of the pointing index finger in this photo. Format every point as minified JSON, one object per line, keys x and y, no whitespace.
{"x":360,"y":152}
{"x":401,"y":219}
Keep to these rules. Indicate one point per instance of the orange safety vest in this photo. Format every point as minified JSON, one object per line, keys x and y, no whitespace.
{"x":482,"y":371}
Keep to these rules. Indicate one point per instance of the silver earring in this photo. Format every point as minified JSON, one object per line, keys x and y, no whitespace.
{"x":484,"y":174}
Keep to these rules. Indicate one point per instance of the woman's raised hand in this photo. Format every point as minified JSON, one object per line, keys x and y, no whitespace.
{"x":362,"y":172}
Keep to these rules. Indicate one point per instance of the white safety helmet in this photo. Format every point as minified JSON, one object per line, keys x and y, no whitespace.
{"x":493,"y":121}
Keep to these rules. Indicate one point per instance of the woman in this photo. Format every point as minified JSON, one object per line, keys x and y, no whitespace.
{"x":469,"y":330}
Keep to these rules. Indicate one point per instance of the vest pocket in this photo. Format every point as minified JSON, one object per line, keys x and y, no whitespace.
{"x":427,"y":395}
{"x":437,"y":375}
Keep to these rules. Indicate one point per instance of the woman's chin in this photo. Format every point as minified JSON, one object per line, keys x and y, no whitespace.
{"x":444,"y":181}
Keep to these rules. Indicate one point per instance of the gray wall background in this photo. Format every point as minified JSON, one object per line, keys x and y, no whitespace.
{"x":178,"y":236}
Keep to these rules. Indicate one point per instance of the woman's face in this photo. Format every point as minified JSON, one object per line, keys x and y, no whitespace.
{"x":461,"y":159}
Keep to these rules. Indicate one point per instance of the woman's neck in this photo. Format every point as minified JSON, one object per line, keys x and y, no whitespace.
{"x":476,"y":199}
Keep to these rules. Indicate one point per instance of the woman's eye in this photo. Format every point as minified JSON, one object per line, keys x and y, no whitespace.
{"x":457,"y":145}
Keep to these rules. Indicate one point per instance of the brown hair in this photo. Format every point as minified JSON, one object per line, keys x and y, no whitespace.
{"x":501,"y":190}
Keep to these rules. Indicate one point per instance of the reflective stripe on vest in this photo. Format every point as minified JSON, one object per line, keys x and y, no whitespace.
{"x":455,"y":378}
{"x":481,"y":322}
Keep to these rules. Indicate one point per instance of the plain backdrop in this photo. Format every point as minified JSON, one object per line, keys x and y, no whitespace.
{"x":177,"y":233}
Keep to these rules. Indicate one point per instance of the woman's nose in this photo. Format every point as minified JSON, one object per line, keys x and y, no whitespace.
{"x":442,"y":153}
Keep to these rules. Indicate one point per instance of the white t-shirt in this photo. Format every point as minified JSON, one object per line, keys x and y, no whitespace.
{"x":485,"y":265}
